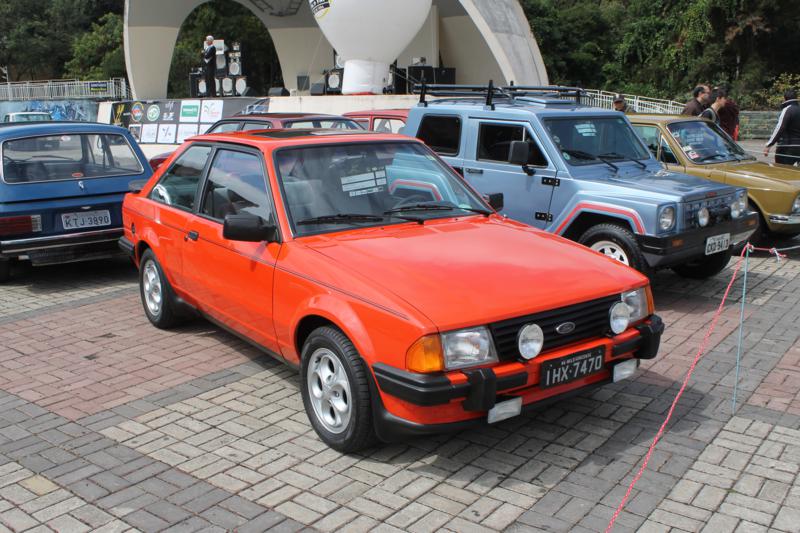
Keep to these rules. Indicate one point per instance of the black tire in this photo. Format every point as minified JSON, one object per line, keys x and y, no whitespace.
{"x":168,"y":314}
{"x":761,"y":235}
{"x":621,"y":237}
{"x":705,"y":267}
{"x":359,"y":431}
{"x":5,"y":270}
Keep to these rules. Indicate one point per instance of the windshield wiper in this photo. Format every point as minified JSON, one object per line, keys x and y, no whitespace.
{"x":615,"y":155}
{"x":580,"y":154}
{"x":341,"y":218}
{"x":435,"y":207}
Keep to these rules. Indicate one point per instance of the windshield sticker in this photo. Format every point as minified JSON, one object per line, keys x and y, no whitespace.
{"x":676,"y":134}
{"x":587,"y":129}
{"x":367,"y":183}
{"x":566,"y":156}
{"x":686,"y":148}
{"x":693,"y":155}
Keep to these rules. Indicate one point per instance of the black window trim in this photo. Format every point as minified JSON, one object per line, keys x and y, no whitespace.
{"x":459,"y":121}
{"x":525,"y":127}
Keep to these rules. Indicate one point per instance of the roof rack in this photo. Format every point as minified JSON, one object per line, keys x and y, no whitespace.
{"x":490,"y":91}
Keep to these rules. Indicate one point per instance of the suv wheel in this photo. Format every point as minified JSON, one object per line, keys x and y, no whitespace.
{"x":617,"y":243}
{"x":160,"y":304}
{"x":5,"y":270}
{"x":705,"y":267}
{"x":336,"y":392}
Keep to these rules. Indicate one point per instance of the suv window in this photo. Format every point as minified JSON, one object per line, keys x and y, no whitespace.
{"x":68,"y":157}
{"x":178,"y":187}
{"x":249,"y":126}
{"x":442,"y":134}
{"x":494,"y":143}
{"x":236,"y":185}
{"x":225,"y":127}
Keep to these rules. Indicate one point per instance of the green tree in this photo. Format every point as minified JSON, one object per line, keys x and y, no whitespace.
{"x":98,"y":54}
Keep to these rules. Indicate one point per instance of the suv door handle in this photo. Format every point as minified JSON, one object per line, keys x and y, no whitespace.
{"x":474,"y":171}
{"x":191,"y":235}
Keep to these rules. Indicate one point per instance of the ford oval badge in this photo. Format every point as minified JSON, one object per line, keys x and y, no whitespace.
{"x":566,"y":328}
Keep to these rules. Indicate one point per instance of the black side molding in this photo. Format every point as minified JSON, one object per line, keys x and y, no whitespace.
{"x":126,"y":246}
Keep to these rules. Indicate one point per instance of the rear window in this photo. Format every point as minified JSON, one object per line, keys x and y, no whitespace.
{"x":323,"y":124}
{"x":442,"y":134}
{"x":68,"y":157}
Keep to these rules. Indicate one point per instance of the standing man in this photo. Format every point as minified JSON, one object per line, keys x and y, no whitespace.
{"x":209,"y":66}
{"x":787,"y":132}
{"x":698,"y":103}
{"x":718,"y":100}
{"x":621,"y":105}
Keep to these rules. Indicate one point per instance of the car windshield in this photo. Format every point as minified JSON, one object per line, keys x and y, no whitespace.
{"x":338,"y":187}
{"x":333,"y":124}
{"x":704,"y":142}
{"x":594,"y":140}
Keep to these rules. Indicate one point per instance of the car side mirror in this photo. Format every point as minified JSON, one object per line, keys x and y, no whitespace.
{"x":248,"y":228}
{"x":495,"y":200}
{"x":519,"y":153}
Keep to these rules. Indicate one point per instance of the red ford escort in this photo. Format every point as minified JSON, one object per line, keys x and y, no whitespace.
{"x":407,"y":304}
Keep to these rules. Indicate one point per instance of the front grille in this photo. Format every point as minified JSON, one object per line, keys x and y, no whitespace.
{"x":719,"y":208}
{"x":590,"y":319}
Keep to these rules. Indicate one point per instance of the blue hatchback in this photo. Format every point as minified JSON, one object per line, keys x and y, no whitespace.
{"x":61,"y":191}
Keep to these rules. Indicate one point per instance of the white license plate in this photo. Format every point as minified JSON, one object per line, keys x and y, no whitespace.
{"x":718,"y":243}
{"x":88,"y":219}
{"x":504,"y":410}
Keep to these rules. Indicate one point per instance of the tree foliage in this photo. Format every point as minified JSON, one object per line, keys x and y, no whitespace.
{"x":98,"y":54}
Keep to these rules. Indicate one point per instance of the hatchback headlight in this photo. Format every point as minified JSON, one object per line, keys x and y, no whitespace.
{"x":666,"y":220}
{"x":619,"y":317}
{"x":468,"y":347}
{"x":703,"y":217}
{"x":530,"y":341}
{"x":796,"y":205}
{"x":637,"y":302}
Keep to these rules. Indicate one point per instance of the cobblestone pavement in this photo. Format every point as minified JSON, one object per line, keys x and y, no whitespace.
{"x":109,"y":424}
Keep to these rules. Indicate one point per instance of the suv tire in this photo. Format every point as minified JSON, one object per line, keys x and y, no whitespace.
{"x":335,"y":390}
{"x":705,"y":267}
{"x":5,"y":270}
{"x":158,"y":299}
{"x":617,"y":243}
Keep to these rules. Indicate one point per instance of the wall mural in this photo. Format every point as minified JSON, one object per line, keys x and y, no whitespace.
{"x":73,"y":110}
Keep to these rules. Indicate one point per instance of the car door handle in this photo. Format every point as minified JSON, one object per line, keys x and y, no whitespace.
{"x":474,"y":171}
{"x":191,"y":235}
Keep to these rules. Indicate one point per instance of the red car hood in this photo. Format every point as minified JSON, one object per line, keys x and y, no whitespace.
{"x":471,"y":271}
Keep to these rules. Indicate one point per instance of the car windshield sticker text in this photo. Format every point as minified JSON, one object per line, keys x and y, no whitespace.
{"x":367,"y":183}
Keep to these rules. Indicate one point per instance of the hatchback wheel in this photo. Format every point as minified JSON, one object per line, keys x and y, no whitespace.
{"x":160,"y":304}
{"x":5,"y":270}
{"x":616,"y":242}
{"x":336,"y":392}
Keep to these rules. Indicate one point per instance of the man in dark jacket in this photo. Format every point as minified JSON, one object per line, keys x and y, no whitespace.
{"x":787,"y":132}
{"x":209,"y":66}
{"x":699,"y":102}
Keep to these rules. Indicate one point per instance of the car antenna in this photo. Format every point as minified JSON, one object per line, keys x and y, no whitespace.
{"x":423,"y":92}
{"x":490,"y":95}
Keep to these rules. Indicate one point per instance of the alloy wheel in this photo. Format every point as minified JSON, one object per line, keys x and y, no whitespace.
{"x":329,"y":390}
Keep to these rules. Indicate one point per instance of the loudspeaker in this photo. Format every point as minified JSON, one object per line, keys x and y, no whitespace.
{"x":318,"y":89}
{"x":278,"y":91}
{"x":399,"y":83}
{"x":444,"y":75}
{"x":227,"y":86}
{"x":234,"y":66}
{"x":303,"y":83}
{"x":333,"y":81}
{"x":240,"y":86}
{"x":420,"y":74}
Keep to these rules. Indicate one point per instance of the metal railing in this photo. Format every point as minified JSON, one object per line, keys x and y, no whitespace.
{"x":113,"y":89}
{"x":640,"y":104}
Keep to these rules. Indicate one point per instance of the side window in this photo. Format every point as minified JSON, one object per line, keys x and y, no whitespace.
{"x":225,"y":127}
{"x":650,"y":136}
{"x":178,"y":187}
{"x":442,"y":134}
{"x":249,"y":126}
{"x":494,"y":143}
{"x":388,"y":125}
{"x":236,"y":185}
{"x":667,"y":155}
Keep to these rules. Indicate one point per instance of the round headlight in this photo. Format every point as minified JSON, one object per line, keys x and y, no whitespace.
{"x":796,"y":205}
{"x":530,"y":340}
{"x":667,"y":219}
{"x":619,"y":317}
{"x":736,"y":209}
{"x":703,"y":217}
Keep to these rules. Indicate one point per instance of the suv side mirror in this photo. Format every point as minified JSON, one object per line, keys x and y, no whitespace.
{"x":519,"y":153}
{"x":495,"y":200}
{"x":248,"y":228}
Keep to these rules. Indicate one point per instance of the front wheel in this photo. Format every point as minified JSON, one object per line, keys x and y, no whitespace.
{"x":336,"y":392}
{"x":705,"y":267}
{"x":616,"y":242}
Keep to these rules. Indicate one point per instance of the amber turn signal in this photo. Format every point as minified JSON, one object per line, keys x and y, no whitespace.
{"x":425,"y":355}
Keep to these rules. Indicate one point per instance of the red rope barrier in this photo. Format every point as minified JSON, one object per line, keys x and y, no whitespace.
{"x":658,"y":436}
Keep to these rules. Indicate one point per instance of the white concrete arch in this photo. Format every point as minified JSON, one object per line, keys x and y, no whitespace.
{"x":482,"y":39}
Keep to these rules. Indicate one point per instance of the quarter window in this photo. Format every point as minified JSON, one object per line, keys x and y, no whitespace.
{"x":236,"y":185}
{"x":494,"y":144}
{"x":442,"y":134}
{"x":178,"y":187}
{"x":388,"y":125}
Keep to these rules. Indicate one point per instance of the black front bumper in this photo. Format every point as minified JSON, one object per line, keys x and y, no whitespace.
{"x":480,"y":392}
{"x":680,"y":248}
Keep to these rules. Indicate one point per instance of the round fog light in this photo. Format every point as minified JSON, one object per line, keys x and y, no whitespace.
{"x":703,"y":217}
{"x":530,"y":341}
{"x":619,"y":317}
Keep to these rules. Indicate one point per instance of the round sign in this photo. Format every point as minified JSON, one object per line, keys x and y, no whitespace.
{"x":320,"y":8}
{"x":137,"y":111}
{"x":153,"y":113}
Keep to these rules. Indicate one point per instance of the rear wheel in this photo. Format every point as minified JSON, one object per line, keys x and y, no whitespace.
{"x":618,"y":243}
{"x":160,"y":303}
{"x":5,"y":270}
{"x":336,"y":392}
{"x":705,"y":267}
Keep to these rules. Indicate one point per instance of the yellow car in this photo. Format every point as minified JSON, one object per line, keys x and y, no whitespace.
{"x":699,"y":147}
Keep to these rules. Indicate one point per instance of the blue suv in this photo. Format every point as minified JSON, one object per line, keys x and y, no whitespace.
{"x":61,"y":191}
{"x":582,"y":173}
